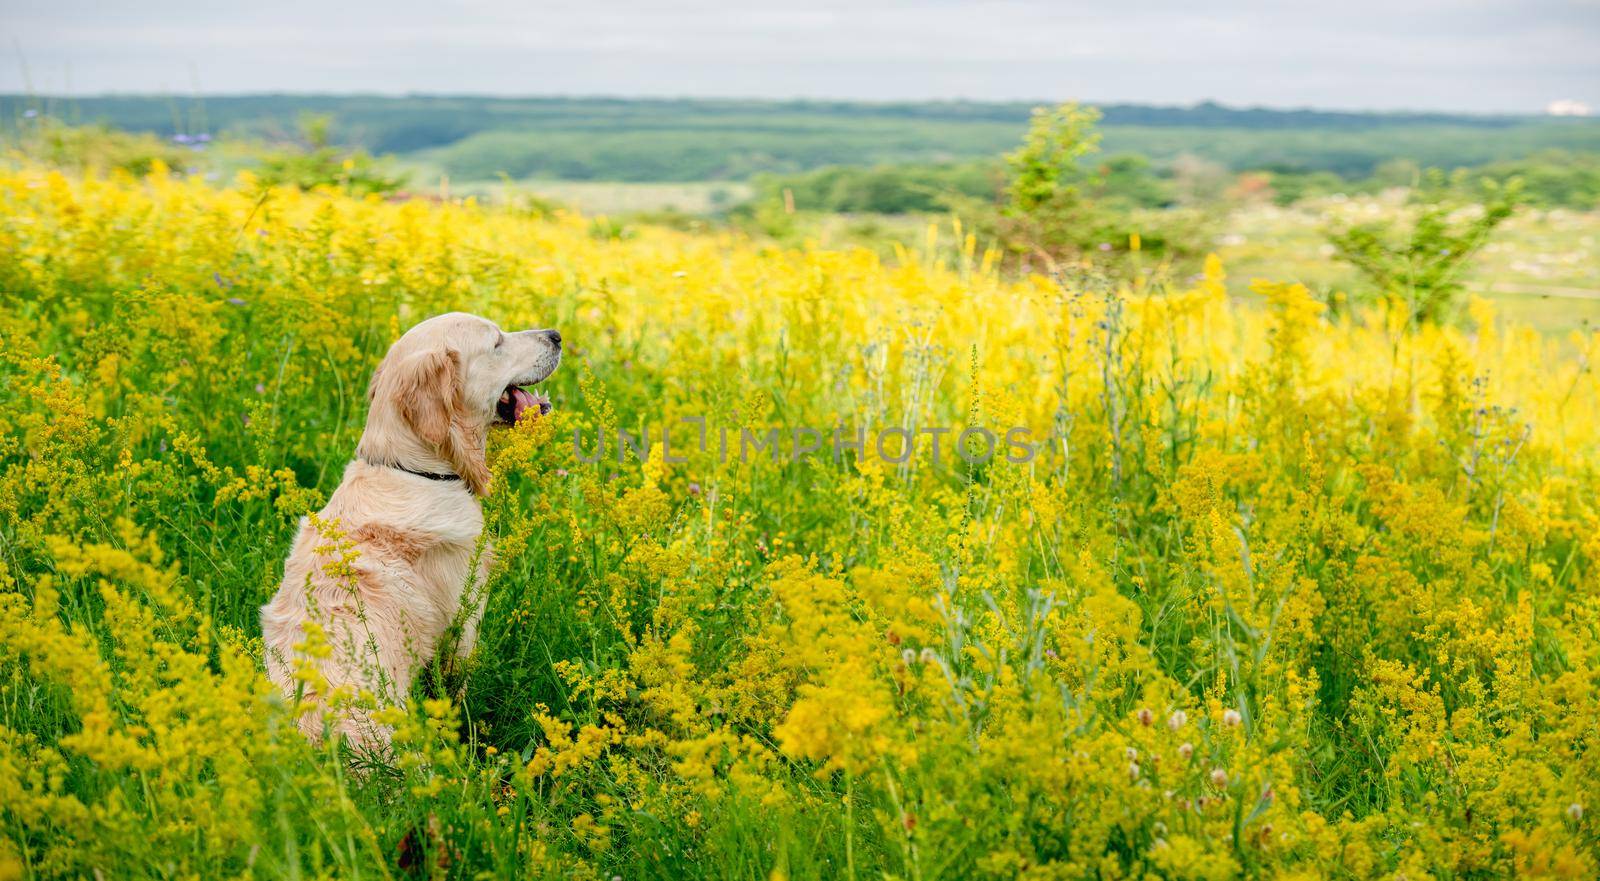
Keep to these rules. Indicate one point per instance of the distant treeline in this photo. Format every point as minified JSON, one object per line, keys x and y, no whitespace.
{"x":1125,"y":180}
{"x":481,"y":138}
{"x":1549,"y":179}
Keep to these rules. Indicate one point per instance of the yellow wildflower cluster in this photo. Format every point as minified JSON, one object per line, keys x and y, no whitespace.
{"x":1275,"y":593}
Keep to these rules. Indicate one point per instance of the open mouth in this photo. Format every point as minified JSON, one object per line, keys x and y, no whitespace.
{"x":516,"y":400}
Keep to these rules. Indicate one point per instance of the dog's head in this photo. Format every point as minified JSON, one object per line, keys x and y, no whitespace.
{"x":442,"y":385}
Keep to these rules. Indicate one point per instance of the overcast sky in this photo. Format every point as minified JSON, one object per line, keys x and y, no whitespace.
{"x":1388,"y":54}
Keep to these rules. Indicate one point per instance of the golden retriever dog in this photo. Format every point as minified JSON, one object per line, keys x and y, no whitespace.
{"x":392,"y":567}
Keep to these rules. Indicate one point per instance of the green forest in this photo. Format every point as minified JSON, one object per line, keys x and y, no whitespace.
{"x":474,"y":138}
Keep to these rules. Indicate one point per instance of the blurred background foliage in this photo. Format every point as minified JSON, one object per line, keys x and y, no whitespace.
{"x":1134,"y":191}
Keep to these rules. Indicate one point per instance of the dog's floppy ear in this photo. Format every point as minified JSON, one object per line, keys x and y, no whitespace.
{"x":427,"y":393}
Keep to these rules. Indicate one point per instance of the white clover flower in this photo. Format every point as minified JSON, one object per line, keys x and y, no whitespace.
{"x":1177,"y":719}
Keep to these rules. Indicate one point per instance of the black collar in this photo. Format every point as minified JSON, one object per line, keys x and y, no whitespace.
{"x":428,"y":474}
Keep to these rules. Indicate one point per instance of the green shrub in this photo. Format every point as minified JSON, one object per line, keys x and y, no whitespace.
{"x":316,"y":162}
{"x":1421,"y":260}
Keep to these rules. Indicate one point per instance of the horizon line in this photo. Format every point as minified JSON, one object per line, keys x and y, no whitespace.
{"x":724,"y":99}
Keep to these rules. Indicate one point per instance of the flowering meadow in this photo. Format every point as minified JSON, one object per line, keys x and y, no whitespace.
{"x":1280,"y":595}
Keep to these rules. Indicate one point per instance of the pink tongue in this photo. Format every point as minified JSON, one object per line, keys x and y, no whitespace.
{"x":520,"y":400}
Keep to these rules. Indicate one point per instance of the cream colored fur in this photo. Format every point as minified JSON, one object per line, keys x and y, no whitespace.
{"x":387,"y":567}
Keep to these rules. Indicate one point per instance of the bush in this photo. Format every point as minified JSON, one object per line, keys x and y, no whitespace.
{"x":317,"y":162}
{"x":98,"y":149}
{"x":1421,"y":262}
{"x":1549,"y":179}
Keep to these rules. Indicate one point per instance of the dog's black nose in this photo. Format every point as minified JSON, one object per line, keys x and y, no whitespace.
{"x":555,"y":337}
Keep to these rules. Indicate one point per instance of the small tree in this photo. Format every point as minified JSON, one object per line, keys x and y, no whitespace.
{"x":1054,"y":207}
{"x":1044,"y":170}
{"x":1423,"y":266}
{"x":1044,"y":208}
